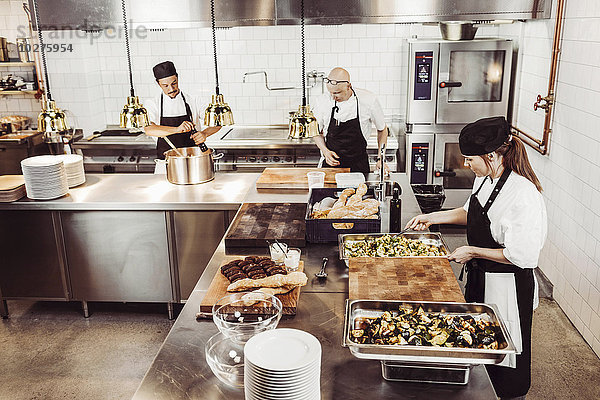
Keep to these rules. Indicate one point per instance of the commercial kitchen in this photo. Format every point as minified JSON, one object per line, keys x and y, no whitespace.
{"x":95,"y":223}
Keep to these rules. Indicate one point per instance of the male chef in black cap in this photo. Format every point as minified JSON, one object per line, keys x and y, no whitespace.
{"x":174,"y":114}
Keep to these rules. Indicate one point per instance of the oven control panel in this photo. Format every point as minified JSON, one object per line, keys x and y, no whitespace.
{"x":423,"y":71}
{"x":419,"y":157}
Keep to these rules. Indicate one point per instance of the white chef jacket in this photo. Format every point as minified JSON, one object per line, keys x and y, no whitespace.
{"x":175,"y":107}
{"x":518,"y":220}
{"x":368,"y":107}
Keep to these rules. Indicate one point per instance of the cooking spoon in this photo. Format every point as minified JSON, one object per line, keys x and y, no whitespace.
{"x":322,"y":273}
{"x":173,"y":146}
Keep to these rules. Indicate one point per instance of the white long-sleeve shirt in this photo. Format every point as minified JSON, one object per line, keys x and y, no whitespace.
{"x":518,"y":219}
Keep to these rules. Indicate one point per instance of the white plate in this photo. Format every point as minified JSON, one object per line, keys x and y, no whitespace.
{"x":287,"y":373}
{"x":265,"y":349}
{"x":307,"y":393}
{"x":41,"y":161}
{"x":283,"y":383}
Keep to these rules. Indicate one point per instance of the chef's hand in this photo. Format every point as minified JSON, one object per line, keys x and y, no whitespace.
{"x":462,"y":254}
{"x":386,"y":169}
{"x":198,"y":137}
{"x":331,"y":158}
{"x":186,"y":126}
{"x":420,"y":222}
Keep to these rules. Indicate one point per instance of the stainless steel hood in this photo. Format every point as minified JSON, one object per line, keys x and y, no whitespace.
{"x":103,"y":14}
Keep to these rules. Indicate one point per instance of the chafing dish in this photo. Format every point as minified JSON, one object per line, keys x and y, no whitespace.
{"x":360,"y":309}
{"x":430,"y":238}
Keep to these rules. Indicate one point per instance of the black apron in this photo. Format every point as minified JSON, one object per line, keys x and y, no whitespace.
{"x":508,"y":382}
{"x":182,"y":139}
{"x":347,"y":141}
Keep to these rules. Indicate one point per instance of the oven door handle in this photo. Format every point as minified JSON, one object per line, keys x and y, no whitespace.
{"x":439,"y":173}
{"x":447,"y":84}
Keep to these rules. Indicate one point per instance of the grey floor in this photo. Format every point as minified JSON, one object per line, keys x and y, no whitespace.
{"x":49,"y":351}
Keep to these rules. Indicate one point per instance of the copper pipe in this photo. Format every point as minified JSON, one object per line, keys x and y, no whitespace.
{"x":542,"y":145}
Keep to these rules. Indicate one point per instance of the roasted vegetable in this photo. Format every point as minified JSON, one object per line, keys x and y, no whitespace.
{"x":419,"y":328}
{"x":391,"y":246}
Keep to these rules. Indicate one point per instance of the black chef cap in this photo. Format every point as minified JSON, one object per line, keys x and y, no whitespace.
{"x":164,"y":69}
{"x":483,"y":136}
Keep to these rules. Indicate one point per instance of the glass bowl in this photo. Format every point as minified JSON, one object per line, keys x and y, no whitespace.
{"x":226,"y":360}
{"x":239,"y":316}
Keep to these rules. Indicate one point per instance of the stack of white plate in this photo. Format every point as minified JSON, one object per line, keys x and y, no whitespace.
{"x":282,"y":364}
{"x":45,"y":177}
{"x":74,"y":167}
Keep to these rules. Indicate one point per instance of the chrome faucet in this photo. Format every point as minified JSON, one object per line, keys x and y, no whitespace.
{"x":381,"y":187}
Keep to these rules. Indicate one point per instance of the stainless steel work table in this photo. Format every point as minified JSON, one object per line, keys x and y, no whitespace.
{"x":131,"y":192}
{"x":180,"y":371}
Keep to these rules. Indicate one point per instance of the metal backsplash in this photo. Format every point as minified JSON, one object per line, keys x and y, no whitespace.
{"x":100,"y":14}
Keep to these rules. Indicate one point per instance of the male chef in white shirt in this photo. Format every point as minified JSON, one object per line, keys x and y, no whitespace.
{"x":174,"y":114}
{"x":345,"y":116}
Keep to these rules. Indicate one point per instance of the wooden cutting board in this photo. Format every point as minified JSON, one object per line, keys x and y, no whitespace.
{"x":10,"y":182}
{"x":255,"y":223}
{"x":218,"y":289}
{"x":293,"y":178}
{"x":411,"y":278}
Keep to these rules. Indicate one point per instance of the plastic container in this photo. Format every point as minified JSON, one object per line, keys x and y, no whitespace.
{"x":316,"y":179}
{"x":327,"y":230}
{"x":430,"y":197}
{"x":292,"y":259}
{"x":349,"y":179}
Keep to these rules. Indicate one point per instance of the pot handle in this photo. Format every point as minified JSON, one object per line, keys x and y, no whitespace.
{"x":217,"y":156}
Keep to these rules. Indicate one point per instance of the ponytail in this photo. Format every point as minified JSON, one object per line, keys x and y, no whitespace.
{"x":514,"y":158}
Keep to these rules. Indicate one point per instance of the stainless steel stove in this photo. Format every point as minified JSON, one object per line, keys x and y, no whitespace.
{"x":254,"y":148}
{"x":117,"y":150}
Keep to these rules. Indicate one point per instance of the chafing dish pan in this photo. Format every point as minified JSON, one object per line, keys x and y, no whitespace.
{"x":429,"y":238}
{"x":360,"y":309}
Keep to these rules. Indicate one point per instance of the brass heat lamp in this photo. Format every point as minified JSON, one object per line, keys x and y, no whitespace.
{"x":303,"y":123}
{"x":52,"y":121}
{"x":133,"y":115}
{"x":218,"y":113}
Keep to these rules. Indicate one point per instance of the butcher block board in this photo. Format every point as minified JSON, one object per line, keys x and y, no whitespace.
{"x":218,"y":289}
{"x":293,"y":178}
{"x":406,"y":278}
{"x":255,"y":223}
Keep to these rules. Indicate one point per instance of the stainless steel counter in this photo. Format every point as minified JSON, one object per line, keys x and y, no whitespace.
{"x":180,"y":371}
{"x":146,"y":192}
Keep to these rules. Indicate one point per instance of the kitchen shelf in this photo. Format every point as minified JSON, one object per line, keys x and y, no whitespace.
{"x":16,"y":64}
{"x":4,"y":92}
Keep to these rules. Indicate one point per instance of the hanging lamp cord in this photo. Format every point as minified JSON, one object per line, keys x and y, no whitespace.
{"x":303,"y":56}
{"x":41,"y":39}
{"x":127,"y":47}
{"x":214,"y":36}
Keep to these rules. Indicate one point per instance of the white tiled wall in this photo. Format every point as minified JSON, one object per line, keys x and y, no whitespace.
{"x":91,"y":81}
{"x":570,"y":173}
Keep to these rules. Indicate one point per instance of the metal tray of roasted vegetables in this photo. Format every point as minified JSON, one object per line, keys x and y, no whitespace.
{"x":427,"y":332}
{"x":417,"y":244}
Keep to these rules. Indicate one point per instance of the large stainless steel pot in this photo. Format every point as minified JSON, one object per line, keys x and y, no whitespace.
{"x":189,"y":165}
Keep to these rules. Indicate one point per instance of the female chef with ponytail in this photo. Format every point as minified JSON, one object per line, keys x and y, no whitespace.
{"x":506,"y":229}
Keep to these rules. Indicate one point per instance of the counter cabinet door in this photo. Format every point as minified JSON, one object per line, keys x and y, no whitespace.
{"x":32,"y":264}
{"x":118,"y":255}
{"x":197,"y":235}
